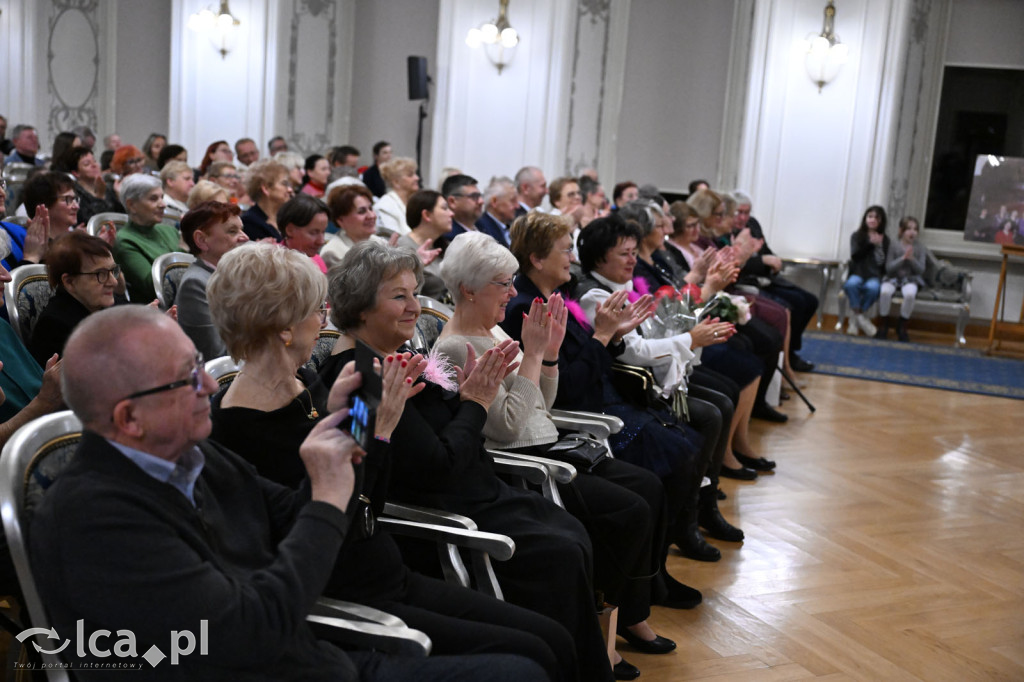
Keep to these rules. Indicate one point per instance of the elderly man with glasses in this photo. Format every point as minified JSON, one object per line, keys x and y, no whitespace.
{"x":154,"y":530}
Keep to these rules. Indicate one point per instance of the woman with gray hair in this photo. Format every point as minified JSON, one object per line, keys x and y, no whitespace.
{"x":621,"y":505}
{"x":145,"y":237}
{"x":437,"y":454}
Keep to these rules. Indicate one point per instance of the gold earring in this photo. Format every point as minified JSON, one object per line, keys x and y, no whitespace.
{"x":288,"y":343}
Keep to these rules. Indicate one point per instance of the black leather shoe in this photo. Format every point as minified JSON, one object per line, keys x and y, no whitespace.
{"x":755,"y":463}
{"x":692,"y":545}
{"x":715,"y":525}
{"x":799,"y":364}
{"x":678,"y":595}
{"x":741,"y":474}
{"x":658,"y":645}
{"x":768,"y":413}
{"x":625,"y":671}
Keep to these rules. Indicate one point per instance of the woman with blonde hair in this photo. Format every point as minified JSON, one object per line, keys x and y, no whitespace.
{"x":400,"y":175}
{"x":206,"y":190}
{"x":269,"y":187}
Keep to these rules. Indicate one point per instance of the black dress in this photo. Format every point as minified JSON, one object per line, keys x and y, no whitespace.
{"x":369,"y":569}
{"x":438,"y":460}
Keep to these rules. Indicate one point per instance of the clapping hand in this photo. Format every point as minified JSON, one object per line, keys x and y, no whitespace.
{"x":480,"y":379}
{"x":711,"y":331}
{"x":398,"y":373}
{"x":37,"y":235}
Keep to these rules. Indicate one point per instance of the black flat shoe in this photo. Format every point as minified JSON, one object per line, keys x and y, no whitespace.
{"x":799,"y":364}
{"x":741,"y":474}
{"x":625,"y":671}
{"x":715,"y":525}
{"x":658,"y":645}
{"x":755,"y":463}
{"x":768,"y":413}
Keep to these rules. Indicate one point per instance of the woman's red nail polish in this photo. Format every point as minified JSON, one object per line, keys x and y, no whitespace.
{"x":408,"y":380}
{"x":405,"y":363}
{"x":537,"y":300}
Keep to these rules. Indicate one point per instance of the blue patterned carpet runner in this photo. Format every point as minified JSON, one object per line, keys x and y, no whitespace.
{"x":915,"y":364}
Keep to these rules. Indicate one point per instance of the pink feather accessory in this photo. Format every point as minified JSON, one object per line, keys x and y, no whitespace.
{"x":440,"y":370}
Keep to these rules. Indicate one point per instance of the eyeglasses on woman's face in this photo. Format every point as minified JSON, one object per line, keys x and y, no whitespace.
{"x":103,"y":274}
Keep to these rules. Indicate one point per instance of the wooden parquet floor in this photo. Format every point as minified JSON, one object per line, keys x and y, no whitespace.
{"x":889,"y":546}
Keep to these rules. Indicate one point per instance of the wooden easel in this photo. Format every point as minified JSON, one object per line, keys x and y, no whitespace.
{"x":998,"y":326}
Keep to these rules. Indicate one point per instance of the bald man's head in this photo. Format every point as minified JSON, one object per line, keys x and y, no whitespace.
{"x":111,"y":354}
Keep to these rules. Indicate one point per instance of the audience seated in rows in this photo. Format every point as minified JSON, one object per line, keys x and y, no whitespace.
{"x":244,"y":556}
{"x":438,"y":459}
{"x":268,"y":304}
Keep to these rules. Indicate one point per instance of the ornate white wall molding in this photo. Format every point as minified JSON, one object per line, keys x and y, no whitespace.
{"x":489,"y":124}
{"x":75,"y":72}
{"x":319,"y":74}
{"x":600,"y":36}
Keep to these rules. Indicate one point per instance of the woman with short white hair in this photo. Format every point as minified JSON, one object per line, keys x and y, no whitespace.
{"x":145,"y":237}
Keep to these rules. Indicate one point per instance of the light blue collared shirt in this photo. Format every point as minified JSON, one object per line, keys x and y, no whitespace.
{"x":181,"y":474}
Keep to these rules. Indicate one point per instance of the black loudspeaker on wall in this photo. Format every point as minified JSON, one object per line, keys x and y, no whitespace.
{"x":418,"y":78}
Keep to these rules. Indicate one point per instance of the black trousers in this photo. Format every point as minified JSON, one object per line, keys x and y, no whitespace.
{"x":765,"y":342}
{"x":720,"y":391}
{"x":460,"y":621}
{"x":802,"y":305}
{"x":622,"y":506}
{"x":551,"y":570}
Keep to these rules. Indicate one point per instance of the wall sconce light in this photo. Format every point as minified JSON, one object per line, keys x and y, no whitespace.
{"x":219,"y":26}
{"x":824,"y":53}
{"x":497,"y":37}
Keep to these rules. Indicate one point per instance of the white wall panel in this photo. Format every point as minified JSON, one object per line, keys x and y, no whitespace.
{"x":673,"y":106}
{"x":387,"y":33}
{"x":487,"y":123}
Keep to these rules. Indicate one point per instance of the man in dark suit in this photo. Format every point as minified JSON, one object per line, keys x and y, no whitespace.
{"x":465,"y":200}
{"x":501,"y":201}
{"x":531,"y":188}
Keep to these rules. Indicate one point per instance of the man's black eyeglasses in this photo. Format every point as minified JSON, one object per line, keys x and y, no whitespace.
{"x":195,"y":380}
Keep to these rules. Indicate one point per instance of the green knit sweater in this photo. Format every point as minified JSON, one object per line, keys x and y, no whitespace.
{"x":135,"y":250}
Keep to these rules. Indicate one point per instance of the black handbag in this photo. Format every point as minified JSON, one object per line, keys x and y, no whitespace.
{"x":583,"y":452}
{"x":638,"y":386}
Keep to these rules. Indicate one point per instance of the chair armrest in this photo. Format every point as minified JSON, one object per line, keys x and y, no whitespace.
{"x":336,"y":608}
{"x":531,"y":472}
{"x":501,"y":547}
{"x":390,"y":639}
{"x":562,"y":472}
{"x":411,"y":512}
{"x":613,"y":423}
{"x":591,"y":427}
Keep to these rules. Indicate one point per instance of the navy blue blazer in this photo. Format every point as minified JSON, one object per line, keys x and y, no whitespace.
{"x":488,"y":224}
